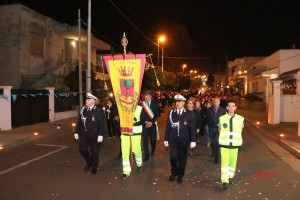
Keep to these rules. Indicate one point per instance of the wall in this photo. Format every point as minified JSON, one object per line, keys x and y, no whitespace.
{"x":66,"y":115}
{"x":289,"y":108}
{"x":289,"y":60}
{"x":9,"y":45}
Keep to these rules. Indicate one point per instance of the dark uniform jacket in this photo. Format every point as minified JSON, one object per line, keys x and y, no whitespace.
{"x":187,"y":131}
{"x":91,"y":122}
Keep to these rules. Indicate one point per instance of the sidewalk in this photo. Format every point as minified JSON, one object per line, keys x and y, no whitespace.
{"x":289,"y":140}
{"x":30,"y":132}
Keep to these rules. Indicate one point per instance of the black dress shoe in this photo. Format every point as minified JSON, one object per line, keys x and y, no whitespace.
{"x":94,"y":171}
{"x":139,"y":169}
{"x":145,"y":159}
{"x":124,"y":176}
{"x":172,"y":177}
{"x":179,"y":179}
{"x":87,"y":168}
{"x":225,"y":186}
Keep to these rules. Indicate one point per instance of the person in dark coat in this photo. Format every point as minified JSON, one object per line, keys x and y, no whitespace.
{"x":180,"y":134}
{"x":213,"y":114}
{"x":110,"y":112}
{"x":150,"y":113}
{"x":89,"y":131}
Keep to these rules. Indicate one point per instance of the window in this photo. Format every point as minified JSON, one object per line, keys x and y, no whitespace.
{"x":37,"y":45}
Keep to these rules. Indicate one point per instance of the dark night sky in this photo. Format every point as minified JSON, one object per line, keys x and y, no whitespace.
{"x":202,"y":30}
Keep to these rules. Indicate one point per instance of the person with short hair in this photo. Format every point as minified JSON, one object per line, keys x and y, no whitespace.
{"x":230,"y":127}
{"x":150,"y":113}
{"x":213,"y":115}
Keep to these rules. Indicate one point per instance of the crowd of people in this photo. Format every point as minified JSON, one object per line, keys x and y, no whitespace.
{"x":192,"y":116}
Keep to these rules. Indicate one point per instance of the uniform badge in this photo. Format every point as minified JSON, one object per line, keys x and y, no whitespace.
{"x":185,"y":123}
{"x":93,"y":118}
{"x":225,"y":125}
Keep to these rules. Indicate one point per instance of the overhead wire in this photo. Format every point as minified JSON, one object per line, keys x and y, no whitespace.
{"x":136,"y":28}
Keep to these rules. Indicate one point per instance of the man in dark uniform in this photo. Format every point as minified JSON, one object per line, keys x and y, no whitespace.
{"x":89,"y":132}
{"x":180,"y":134}
{"x":150,"y":113}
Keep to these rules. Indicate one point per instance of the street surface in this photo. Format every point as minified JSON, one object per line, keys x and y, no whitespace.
{"x":51,"y":168}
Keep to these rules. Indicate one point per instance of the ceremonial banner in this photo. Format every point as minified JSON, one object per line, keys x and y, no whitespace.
{"x":126,"y":75}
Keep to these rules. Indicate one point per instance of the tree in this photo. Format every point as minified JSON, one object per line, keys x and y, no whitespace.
{"x":72,"y":81}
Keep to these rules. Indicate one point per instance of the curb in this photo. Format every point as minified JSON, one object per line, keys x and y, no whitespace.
{"x":295,"y":152}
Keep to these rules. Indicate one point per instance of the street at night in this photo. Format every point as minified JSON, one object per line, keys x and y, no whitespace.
{"x":51,"y":168}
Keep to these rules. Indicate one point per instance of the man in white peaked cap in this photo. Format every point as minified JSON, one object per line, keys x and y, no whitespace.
{"x":180,"y":134}
{"x":89,"y":131}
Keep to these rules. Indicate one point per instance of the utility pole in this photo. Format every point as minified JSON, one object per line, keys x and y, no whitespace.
{"x":88,"y":74}
{"x":220,"y":77}
{"x":79,"y":61}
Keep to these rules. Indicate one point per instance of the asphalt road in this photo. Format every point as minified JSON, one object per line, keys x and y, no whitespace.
{"x":37,"y":170}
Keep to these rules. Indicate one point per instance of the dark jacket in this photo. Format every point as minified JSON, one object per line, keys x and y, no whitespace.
{"x":155,"y":109}
{"x":187,"y":131}
{"x":93,"y":125}
{"x":213,"y":117}
{"x":198,"y":118}
{"x":113,"y":111}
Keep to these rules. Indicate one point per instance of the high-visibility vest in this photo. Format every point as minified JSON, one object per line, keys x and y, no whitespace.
{"x":231,"y":130}
{"x":137,"y":118}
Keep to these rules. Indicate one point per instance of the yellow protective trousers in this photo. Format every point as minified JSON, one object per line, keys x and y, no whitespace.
{"x":228,"y":163}
{"x":136,"y":150}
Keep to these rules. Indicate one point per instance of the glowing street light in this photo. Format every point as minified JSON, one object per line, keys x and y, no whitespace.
{"x":160,"y":39}
{"x":183,"y":67}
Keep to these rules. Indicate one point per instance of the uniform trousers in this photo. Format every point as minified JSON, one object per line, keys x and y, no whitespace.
{"x":89,"y":149}
{"x":149,"y":133}
{"x":136,"y":150}
{"x":228,"y":163}
{"x":178,"y":157}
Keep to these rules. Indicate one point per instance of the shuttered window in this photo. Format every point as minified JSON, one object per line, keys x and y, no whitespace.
{"x":37,"y":45}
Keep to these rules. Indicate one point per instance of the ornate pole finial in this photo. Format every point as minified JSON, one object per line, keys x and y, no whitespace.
{"x":124,"y":43}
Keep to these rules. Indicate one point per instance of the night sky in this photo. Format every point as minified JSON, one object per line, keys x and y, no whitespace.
{"x":199,"y":33}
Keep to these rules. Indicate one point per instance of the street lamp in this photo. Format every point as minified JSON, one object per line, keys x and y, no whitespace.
{"x":183,"y":66}
{"x":191,"y":71}
{"x":160,"y":39}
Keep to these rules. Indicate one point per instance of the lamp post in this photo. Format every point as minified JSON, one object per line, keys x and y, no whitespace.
{"x":160,"y":39}
{"x":183,"y":67}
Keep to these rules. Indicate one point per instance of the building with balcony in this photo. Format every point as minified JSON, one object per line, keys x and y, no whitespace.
{"x":37,"y":51}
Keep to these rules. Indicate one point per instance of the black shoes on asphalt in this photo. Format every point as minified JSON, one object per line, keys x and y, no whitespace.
{"x":87,"y":168}
{"x":225,"y":185}
{"x":139,"y":170}
{"x":173,"y":176}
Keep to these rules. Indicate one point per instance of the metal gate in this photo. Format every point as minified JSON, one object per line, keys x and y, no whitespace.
{"x":29,"y":107}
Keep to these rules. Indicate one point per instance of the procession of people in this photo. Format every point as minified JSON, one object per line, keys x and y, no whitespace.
{"x":186,"y":122}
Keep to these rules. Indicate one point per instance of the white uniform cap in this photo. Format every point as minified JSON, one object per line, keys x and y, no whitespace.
{"x":90,"y":96}
{"x":179,"y":97}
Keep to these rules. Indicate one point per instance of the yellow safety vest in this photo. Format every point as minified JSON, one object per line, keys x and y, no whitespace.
{"x":137,"y":115}
{"x":231,"y":130}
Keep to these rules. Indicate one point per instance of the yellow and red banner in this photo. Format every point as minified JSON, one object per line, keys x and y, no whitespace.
{"x":126,"y":75}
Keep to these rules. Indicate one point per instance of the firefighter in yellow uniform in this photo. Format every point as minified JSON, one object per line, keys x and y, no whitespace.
{"x":230,"y":139}
{"x":132,"y":143}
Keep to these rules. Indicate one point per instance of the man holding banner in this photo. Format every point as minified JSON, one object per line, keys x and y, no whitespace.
{"x":150,"y":113}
